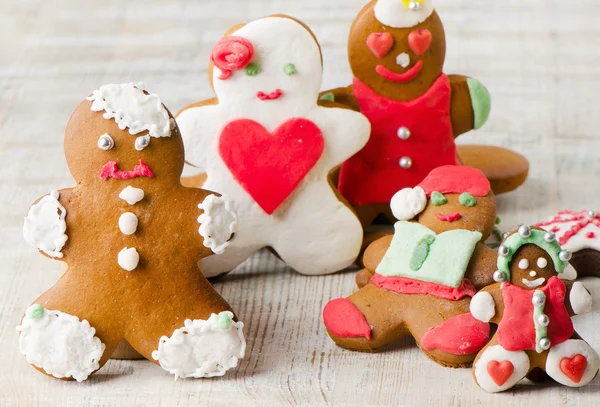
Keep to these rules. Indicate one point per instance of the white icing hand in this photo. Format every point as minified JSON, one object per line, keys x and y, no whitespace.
{"x":581,"y":299}
{"x":217,"y":223}
{"x":408,"y":203}
{"x":483,"y":307}
{"x":45,"y":226}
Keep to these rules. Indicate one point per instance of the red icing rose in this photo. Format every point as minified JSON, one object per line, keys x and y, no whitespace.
{"x":232,"y":54}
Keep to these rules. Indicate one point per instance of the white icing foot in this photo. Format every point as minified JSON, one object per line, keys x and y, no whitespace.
{"x":202,"y":348}
{"x":217,"y":223}
{"x":59,"y":343}
{"x":572,"y":363}
{"x":498,"y":369}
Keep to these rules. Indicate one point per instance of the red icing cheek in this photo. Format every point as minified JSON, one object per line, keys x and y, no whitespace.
{"x":380,"y":44}
{"x":419,"y":41}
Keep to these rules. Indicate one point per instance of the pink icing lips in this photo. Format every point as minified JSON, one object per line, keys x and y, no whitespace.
{"x":276,"y":94}
{"x":452,"y":217}
{"x":111,"y":170}
{"x":399,"y":77}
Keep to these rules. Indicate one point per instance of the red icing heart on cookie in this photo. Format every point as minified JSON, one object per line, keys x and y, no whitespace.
{"x":574,"y":368}
{"x":500,"y":372}
{"x":380,"y":44}
{"x":270,"y":166}
{"x":419,"y":41}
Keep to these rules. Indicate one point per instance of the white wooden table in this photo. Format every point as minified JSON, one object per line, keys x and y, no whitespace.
{"x":539,"y":58}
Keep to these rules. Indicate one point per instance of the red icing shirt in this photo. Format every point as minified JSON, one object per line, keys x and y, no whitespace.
{"x":516,"y":331}
{"x":374,"y":174}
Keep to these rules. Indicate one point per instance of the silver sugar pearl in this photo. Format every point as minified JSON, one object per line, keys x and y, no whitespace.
{"x":545,"y":343}
{"x":142,"y":142}
{"x":403,"y":133}
{"x":549,"y":237}
{"x":105,"y":142}
{"x":499,"y":276}
{"x":414,"y":5}
{"x":504,"y":235}
{"x":592,"y":214}
{"x":525,"y":231}
{"x":539,"y":299}
{"x":543,"y":320}
{"x":565,"y":255}
{"x":503,"y":251}
{"x":406,"y":162}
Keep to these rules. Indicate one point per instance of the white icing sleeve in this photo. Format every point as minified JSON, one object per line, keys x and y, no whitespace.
{"x":483,"y":307}
{"x":581,"y":299}
{"x":217,"y":223}
{"x":45,"y":227}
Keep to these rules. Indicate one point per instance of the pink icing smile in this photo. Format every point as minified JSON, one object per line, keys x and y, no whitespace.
{"x":399,"y":77}
{"x":111,"y":170}
{"x":276,"y":94}
{"x":452,"y":217}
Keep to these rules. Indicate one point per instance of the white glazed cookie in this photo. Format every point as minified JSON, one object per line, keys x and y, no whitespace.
{"x":217,"y":223}
{"x":45,"y":226}
{"x":270,"y":147}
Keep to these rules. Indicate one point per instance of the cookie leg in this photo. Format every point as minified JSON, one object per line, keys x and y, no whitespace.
{"x":572,"y":363}
{"x":497,"y":369}
{"x":218,"y":265}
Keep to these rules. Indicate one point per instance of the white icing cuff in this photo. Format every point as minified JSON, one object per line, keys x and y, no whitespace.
{"x":45,"y":226}
{"x":218,"y":222}
{"x":408,"y":203}
{"x":132,"y":195}
{"x":569,"y":273}
{"x":202,"y":348}
{"x":59,"y":343}
{"x":581,"y":299}
{"x":483,"y":307}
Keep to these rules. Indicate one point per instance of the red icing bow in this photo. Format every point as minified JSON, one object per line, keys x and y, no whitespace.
{"x":232,"y":54}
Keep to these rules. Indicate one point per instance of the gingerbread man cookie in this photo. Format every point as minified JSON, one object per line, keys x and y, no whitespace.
{"x":420,"y":281}
{"x":533,"y":310}
{"x":132,"y":237}
{"x":396,"y":51}
{"x":267,"y":144}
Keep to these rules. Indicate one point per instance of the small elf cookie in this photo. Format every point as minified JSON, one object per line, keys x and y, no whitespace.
{"x":533,"y":310}
{"x":396,"y":51}
{"x":579,"y":233}
{"x":267,"y":143}
{"x":132,"y":237}
{"x":426,"y":274}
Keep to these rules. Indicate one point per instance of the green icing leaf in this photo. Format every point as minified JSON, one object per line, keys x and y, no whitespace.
{"x":421,"y":252}
{"x":467,"y":200}
{"x":437,"y":199}
{"x":290,"y":69}
{"x":328,"y":97}
{"x":252,"y":69}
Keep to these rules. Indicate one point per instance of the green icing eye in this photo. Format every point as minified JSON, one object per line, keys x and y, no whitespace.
{"x":467,"y":200}
{"x":290,"y":69}
{"x":252,"y":69}
{"x":437,"y":199}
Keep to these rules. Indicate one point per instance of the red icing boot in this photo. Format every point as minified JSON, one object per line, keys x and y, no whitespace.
{"x":344,"y":320}
{"x":461,"y":335}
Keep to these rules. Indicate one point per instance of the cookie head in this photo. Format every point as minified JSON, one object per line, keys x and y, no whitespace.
{"x":122,"y":132}
{"x":397,"y":47}
{"x":266,"y":64}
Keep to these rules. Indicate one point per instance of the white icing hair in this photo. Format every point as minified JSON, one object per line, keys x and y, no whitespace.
{"x":397,"y":14}
{"x":132,"y":108}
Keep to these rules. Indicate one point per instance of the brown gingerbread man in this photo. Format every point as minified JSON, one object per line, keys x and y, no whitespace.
{"x":132,"y":237}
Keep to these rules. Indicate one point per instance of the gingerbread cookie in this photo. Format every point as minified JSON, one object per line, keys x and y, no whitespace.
{"x":579,"y":233}
{"x":267,"y":144}
{"x":396,"y":51}
{"x":533,"y":310}
{"x":422,"y":279}
{"x":132,"y":237}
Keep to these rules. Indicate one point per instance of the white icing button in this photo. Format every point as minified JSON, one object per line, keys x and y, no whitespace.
{"x":403,"y":133}
{"x":406,"y":162}
{"x":129,"y":259}
{"x":128,"y":223}
{"x":524,"y":264}
{"x":403,"y":60}
{"x":542,"y":263}
{"x":132,"y":195}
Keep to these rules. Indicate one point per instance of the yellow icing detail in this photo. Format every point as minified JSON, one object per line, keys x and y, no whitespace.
{"x":407,"y":2}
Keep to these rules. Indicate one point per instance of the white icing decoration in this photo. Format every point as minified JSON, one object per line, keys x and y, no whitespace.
{"x":542,"y":263}
{"x":568,"y":349}
{"x":202,"y":348}
{"x":217,"y":223}
{"x":45,"y":226}
{"x":403,"y":60}
{"x":313,"y":231}
{"x":532,"y":274}
{"x":520,"y":362}
{"x":535,"y":283}
{"x":569,"y":274}
{"x":524,"y":264}
{"x":565,"y":221}
{"x":133,"y":109}
{"x":128,"y":223}
{"x":581,"y":299}
{"x":483,"y":307}
{"x":61,"y":345}
{"x":129,"y":259}
{"x":132,"y":195}
{"x":394,"y":13}
{"x":408,"y":203}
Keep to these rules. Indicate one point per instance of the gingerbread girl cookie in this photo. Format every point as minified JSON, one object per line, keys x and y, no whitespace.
{"x":533,"y":310}
{"x":421,"y":280}
{"x":132,"y":237}
{"x":396,"y":51}
{"x":267,"y":144}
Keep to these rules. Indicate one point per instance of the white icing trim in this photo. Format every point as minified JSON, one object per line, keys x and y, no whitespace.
{"x":408,"y":203}
{"x":128,"y":259}
{"x":569,"y":349}
{"x":569,"y":274}
{"x":132,"y":195}
{"x":218,"y":222}
{"x":128,"y":223}
{"x":202,"y":348}
{"x":483,"y":307}
{"x":520,"y":362}
{"x":581,"y":299}
{"x":133,"y":109}
{"x":44,"y":227}
{"x":60,"y":344}
{"x":394,"y":13}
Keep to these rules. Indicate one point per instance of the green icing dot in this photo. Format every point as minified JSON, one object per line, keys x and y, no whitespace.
{"x":498,"y":220}
{"x":252,"y":69}
{"x":437,"y":199}
{"x":421,"y":252}
{"x":467,"y":200}
{"x":290,"y":69}
{"x":36,"y":311}
{"x":328,"y":97}
{"x":224,"y":320}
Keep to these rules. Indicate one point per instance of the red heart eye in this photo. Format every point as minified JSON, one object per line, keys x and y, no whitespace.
{"x":419,"y":41}
{"x":380,"y":44}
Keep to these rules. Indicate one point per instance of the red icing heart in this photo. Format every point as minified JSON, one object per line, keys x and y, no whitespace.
{"x":574,"y":368}
{"x":419,"y":41}
{"x":500,"y":372}
{"x":380,"y":44}
{"x":270,"y":166}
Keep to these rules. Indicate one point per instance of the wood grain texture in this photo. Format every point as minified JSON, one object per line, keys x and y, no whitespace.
{"x":539,"y":59}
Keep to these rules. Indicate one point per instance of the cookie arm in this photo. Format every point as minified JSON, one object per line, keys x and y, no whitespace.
{"x":371,"y":259}
{"x":470,"y":104}
{"x":480,"y":270}
{"x":342,"y":96}
{"x":199,"y":138}
{"x":578,"y":300}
